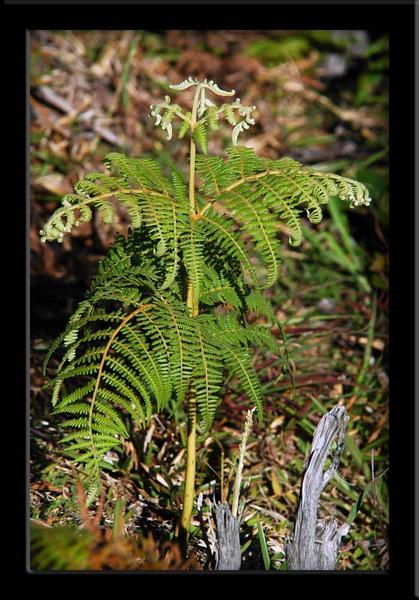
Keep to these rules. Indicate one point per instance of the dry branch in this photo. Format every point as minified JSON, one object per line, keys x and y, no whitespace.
{"x":50,"y":97}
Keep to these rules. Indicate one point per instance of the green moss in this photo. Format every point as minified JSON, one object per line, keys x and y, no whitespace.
{"x":272,"y":52}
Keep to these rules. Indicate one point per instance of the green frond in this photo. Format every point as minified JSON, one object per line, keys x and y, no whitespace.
{"x":200,"y":136}
{"x":232,"y":340}
{"x":207,"y":373}
{"x":214,"y":174}
{"x":150,"y":356}
{"x":69,"y":335}
{"x":179,"y":187}
{"x":129,"y":402}
{"x":192,"y":243}
{"x":94,"y":487}
{"x":260,"y":192}
{"x":261,"y":337}
{"x":220,"y":231}
{"x":239,"y":361}
{"x":120,"y":272}
{"x":260,"y":304}
{"x":218,"y":288}
{"x":124,"y":371}
{"x":56,"y":390}
{"x":274,"y":193}
{"x":95,"y":190}
{"x":137,"y":171}
{"x":212,"y":118}
{"x":255,"y":218}
{"x":51,"y":350}
{"x":180,"y":332}
{"x":243,"y":161}
{"x":78,"y":394}
{"x":184,"y":126}
{"x":139,"y":186}
{"x":122,"y":394}
{"x":71,"y":353}
{"x":150,"y":324}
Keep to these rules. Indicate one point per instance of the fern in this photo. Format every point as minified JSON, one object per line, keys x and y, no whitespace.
{"x":200,"y":135}
{"x":191,"y":243}
{"x":165,"y":317}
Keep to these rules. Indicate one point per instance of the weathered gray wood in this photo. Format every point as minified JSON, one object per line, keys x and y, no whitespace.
{"x":315,"y":543}
{"x":228,"y":539}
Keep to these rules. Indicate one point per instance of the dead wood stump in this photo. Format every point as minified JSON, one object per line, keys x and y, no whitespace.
{"x":315,"y":543}
{"x":228,"y":539}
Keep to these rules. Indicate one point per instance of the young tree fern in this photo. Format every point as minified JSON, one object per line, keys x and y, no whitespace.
{"x":147,"y":336}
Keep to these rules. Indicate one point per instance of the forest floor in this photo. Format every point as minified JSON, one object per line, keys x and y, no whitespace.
{"x":321,"y":98}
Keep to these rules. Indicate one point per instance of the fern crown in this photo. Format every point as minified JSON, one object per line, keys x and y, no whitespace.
{"x":133,"y":347}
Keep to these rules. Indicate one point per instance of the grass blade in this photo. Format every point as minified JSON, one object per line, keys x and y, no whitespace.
{"x":264,"y":548}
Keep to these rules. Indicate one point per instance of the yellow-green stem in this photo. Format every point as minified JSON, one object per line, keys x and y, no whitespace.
{"x":193,"y":306}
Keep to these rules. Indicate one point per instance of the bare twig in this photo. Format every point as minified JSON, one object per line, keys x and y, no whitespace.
{"x":60,"y":103}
